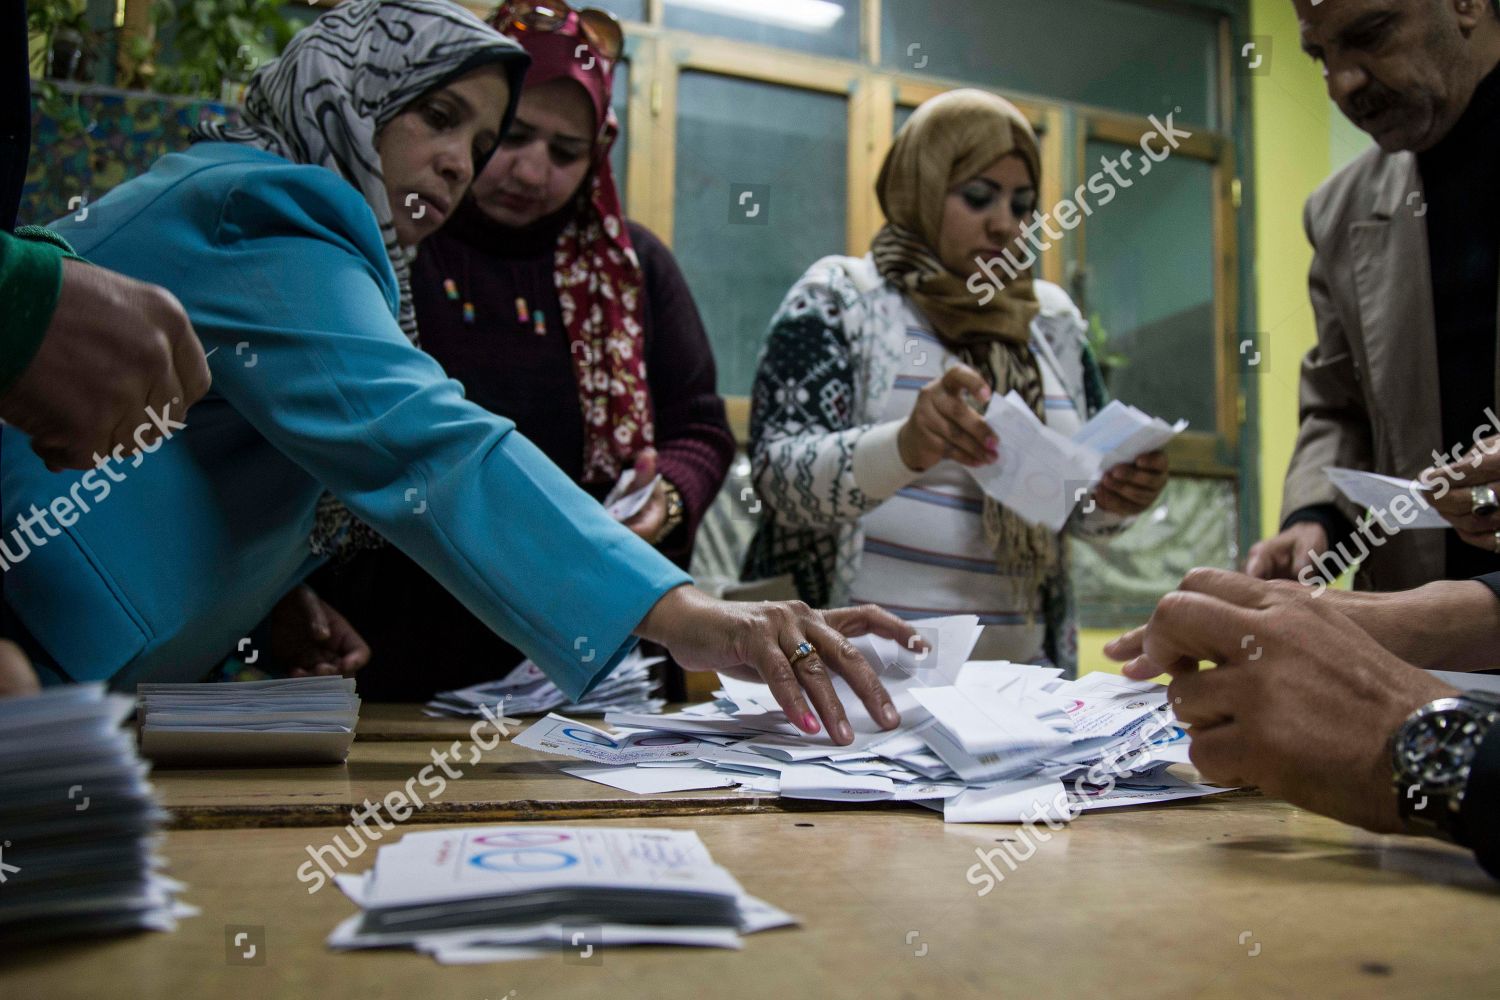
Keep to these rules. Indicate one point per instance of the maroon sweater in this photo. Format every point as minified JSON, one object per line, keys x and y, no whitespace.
{"x":422,"y":639}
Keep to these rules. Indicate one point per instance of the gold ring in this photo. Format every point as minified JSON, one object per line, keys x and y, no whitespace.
{"x":805,"y":649}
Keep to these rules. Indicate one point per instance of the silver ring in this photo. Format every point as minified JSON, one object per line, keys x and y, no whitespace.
{"x":1482,"y":501}
{"x":802,"y":652}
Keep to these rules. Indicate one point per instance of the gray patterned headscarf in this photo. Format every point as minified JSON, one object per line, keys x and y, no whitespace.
{"x":343,"y":77}
{"x":340,"y":80}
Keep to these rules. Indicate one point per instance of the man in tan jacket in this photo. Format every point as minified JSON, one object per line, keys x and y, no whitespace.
{"x":1405,"y":286}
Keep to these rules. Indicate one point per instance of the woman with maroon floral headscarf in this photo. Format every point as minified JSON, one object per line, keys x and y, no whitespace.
{"x":556,"y":312}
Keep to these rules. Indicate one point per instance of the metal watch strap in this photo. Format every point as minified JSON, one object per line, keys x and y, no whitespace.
{"x":1431,"y":811}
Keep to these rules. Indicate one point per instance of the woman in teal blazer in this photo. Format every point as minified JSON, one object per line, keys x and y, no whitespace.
{"x":287,"y":243}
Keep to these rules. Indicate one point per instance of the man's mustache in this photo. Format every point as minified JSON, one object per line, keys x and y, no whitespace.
{"x":1372,"y":101}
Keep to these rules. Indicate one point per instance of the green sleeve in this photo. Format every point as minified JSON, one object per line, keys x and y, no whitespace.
{"x":30,"y":282}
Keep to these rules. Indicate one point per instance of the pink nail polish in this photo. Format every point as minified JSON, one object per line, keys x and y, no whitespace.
{"x":810,"y":723}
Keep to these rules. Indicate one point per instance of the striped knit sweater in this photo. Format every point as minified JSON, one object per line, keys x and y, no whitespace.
{"x":845,"y":517}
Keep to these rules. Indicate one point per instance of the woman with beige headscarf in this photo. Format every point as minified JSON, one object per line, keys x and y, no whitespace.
{"x":864,"y":417}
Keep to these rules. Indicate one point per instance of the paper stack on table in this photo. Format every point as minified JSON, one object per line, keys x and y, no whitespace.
{"x":77,"y":822}
{"x":1043,"y":475}
{"x":305,"y":720}
{"x":527,"y":691}
{"x":980,"y":741}
{"x":485,"y":894}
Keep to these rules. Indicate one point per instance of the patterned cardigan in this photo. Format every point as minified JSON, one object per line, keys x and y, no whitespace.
{"x":824,"y":375}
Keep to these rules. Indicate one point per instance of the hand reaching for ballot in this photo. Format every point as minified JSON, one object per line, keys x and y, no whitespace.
{"x":1287,"y":555}
{"x":759,"y":641}
{"x":1302,"y":702}
{"x":309,"y":637}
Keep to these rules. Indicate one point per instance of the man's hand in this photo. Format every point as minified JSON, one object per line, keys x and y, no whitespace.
{"x":1302,"y":703}
{"x":1453,"y":493}
{"x":114,"y":348}
{"x":1445,"y":625}
{"x":309,"y":638}
{"x":1131,"y":487}
{"x":757,"y":642}
{"x":943,"y":425}
{"x":1286,"y":555}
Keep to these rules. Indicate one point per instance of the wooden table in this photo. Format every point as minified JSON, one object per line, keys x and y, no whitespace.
{"x":507,"y":783}
{"x":386,"y":721}
{"x":1232,"y":898}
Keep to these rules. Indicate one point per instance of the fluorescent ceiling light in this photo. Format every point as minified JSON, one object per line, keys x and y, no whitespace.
{"x":808,"y":15}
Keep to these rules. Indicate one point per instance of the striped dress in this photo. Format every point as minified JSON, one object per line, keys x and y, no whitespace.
{"x":925,"y":553}
{"x":845,"y":518}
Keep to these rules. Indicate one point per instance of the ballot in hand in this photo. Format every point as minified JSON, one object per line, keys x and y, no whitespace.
{"x":1131,"y":487}
{"x":943,"y":425}
{"x":1464,"y":491}
{"x":641,"y":512}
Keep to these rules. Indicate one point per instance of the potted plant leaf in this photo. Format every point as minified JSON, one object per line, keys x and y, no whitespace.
{"x":217,"y":44}
{"x":69,"y":44}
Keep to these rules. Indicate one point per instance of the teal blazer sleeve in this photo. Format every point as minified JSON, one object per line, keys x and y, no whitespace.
{"x":337,"y":388}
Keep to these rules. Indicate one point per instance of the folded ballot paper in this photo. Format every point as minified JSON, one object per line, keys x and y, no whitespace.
{"x":1043,"y":475}
{"x":980,"y":741}
{"x":78,"y":823}
{"x":302,"y":720}
{"x":1397,"y":503}
{"x":485,"y":894}
{"x":527,"y":691}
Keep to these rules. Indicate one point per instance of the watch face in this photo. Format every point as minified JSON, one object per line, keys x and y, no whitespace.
{"x":1436,"y":752}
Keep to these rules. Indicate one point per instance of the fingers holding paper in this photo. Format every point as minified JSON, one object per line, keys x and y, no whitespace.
{"x":1466,"y":492}
{"x":1131,"y":487}
{"x":943,"y":424}
{"x":1302,"y":701}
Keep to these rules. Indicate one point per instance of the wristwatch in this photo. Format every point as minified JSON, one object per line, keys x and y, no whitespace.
{"x":1431,"y":755}
{"x":675,"y":510}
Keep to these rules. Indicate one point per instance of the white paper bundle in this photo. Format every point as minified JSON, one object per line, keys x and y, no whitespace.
{"x":78,"y":822}
{"x":306,"y":720}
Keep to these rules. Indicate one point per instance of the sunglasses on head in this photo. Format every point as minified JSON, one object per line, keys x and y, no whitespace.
{"x":599,"y":28}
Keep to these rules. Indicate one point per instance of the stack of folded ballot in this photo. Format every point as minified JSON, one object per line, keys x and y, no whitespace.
{"x":307,"y":720}
{"x":483,"y":894}
{"x":980,"y":741}
{"x":77,"y":822}
{"x":527,"y":691}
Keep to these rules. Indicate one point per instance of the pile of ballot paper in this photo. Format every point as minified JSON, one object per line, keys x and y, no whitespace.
{"x":1043,"y":475}
{"x":981,"y":741}
{"x":302,"y":720}
{"x":527,"y":691}
{"x":486,"y":894}
{"x":77,"y":821}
